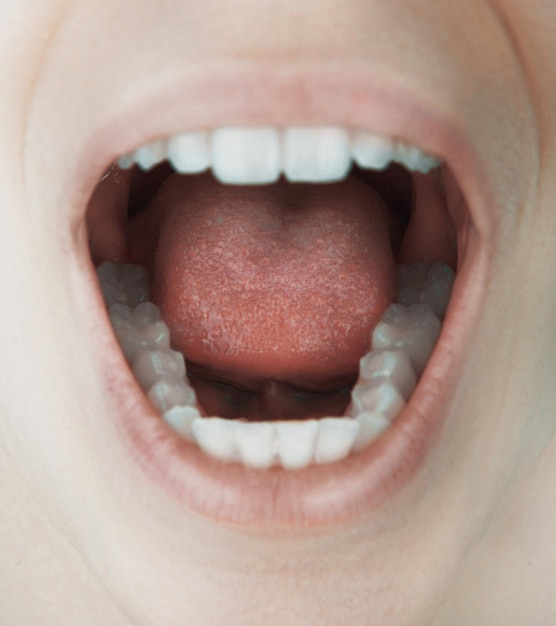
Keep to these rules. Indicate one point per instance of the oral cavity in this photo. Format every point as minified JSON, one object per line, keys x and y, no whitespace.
{"x":401,"y":345}
{"x":202,"y":246}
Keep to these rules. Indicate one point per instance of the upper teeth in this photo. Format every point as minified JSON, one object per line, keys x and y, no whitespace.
{"x":260,"y":155}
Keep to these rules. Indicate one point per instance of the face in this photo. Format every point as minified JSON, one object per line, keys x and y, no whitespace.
{"x":224,"y":494}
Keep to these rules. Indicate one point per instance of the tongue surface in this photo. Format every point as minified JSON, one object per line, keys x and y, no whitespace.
{"x":283,"y":282}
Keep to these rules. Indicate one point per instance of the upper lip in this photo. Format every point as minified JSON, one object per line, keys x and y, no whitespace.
{"x":287,"y":98}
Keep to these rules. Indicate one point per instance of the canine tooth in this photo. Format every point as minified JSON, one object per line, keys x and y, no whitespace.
{"x":371,"y":426}
{"x":371,"y":151}
{"x":151,"y":154}
{"x":379,"y":396}
{"x":413,"y":329}
{"x":414,"y":159}
{"x":180,"y":419}
{"x":166,"y":394}
{"x":316,"y":154}
{"x":295,"y":443}
{"x":335,"y":439}
{"x":152,"y":365}
{"x":393,"y":365}
{"x":216,"y":436}
{"x":246,"y":155}
{"x":255,"y":443}
{"x":189,"y":152}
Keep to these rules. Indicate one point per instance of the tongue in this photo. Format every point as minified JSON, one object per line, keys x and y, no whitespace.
{"x":280,"y":284}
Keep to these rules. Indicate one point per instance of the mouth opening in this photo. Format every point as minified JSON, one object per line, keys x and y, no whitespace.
{"x":277,"y":311}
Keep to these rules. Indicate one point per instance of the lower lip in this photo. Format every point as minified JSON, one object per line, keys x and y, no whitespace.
{"x":317,"y":495}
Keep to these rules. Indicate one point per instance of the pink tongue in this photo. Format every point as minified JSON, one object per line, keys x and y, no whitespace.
{"x":282,"y":282}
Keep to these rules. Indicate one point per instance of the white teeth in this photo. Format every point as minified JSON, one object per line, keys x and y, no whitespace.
{"x":189,"y":153}
{"x":146,"y":313}
{"x":401,"y":346}
{"x":374,"y":152}
{"x":393,"y":365}
{"x":151,"y":154}
{"x":126,"y":161}
{"x":152,"y":365}
{"x":316,"y":154}
{"x":377,"y":397}
{"x":181,"y":418}
{"x":335,"y":439}
{"x":371,"y":151}
{"x":371,"y":426}
{"x":166,"y":394}
{"x":143,"y":314}
{"x":261,"y":444}
{"x":216,"y":436}
{"x":255,"y":443}
{"x":246,"y":155}
{"x":135,"y":339}
{"x":259,"y":155}
{"x":121,"y":315}
{"x":139,"y":329}
{"x":413,"y":329}
{"x":296,"y":443}
{"x":414,"y":159}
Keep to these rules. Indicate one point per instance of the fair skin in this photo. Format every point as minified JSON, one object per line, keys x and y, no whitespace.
{"x":87,"y":536}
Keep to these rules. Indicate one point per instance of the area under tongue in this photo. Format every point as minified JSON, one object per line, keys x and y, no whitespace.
{"x":277,"y":283}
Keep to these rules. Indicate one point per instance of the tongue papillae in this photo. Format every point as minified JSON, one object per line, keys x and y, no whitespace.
{"x":272,"y":292}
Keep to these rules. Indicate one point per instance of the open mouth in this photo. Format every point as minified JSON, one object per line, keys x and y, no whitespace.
{"x":282,"y":299}
{"x":271,"y":295}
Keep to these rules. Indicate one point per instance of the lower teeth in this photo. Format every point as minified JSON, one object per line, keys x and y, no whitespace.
{"x":401,"y":346}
